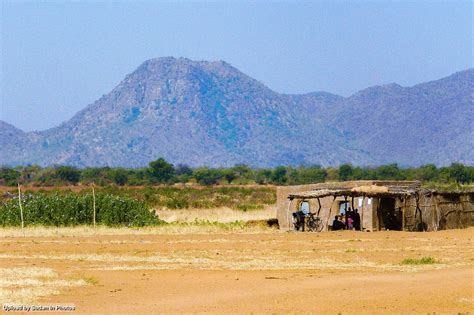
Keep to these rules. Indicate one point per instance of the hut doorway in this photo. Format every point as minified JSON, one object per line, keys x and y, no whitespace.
{"x":391,"y":218}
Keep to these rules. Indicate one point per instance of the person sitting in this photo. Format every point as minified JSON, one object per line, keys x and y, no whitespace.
{"x":337,"y":225}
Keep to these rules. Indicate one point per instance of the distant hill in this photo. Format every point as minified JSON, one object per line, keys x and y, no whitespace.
{"x":209,"y":113}
{"x":428,"y":123}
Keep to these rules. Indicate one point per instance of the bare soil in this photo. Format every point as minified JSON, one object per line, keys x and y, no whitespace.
{"x":253,"y":271}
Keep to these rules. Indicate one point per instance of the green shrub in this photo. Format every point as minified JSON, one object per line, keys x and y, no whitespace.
{"x":428,"y":260}
{"x":69,"y":209}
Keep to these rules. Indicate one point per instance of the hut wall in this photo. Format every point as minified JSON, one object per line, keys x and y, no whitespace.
{"x":429,"y":216}
{"x":403,"y":204}
{"x":440,"y":211}
{"x":376,"y":225}
{"x":367,"y":213}
{"x":453,"y":211}
{"x":409,"y":213}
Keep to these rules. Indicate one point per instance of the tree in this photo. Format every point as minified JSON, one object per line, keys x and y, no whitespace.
{"x":390,"y":171}
{"x":312,"y":174}
{"x":428,"y":172}
{"x":242,"y":170}
{"x":68,"y":174}
{"x":292,"y":176}
{"x":459,"y":173}
{"x":229,"y":175}
{"x":279,"y":175}
{"x":119,"y":176}
{"x":263,"y":176}
{"x":183,"y":173}
{"x":345,"y":172}
{"x":98,"y":175}
{"x":29,"y":173}
{"x":183,"y":169}
{"x":9,"y":176}
{"x":160,"y":171}
{"x":207,"y":176}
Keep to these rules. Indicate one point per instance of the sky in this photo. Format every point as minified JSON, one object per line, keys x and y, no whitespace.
{"x":58,"y":57}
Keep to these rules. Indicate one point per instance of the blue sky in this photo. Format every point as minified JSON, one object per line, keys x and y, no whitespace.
{"x":58,"y":57}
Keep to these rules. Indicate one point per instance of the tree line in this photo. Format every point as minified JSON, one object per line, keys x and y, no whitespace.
{"x":162,"y":172}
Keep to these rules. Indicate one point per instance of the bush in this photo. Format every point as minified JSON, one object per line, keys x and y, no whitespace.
{"x":72,"y":209}
{"x":160,"y":171}
{"x":206,"y":176}
{"x":9,"y":176}
{"x":428,"y":260}
{"x":68,"y":174}
{"x":279,"y":175}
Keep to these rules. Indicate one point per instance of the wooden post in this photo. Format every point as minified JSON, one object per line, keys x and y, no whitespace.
{"x":21,"y":207}
{"x":319,"y":206}
{"x":288,"y":213}
{"x":403,"y":218}
{"x":330,"y":212}
{"x":417,"y":199}
{"x":345,"y":211}
{"x":93,"y":203}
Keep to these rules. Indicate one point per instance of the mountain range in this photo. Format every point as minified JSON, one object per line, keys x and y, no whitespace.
{"x":209,"y":113}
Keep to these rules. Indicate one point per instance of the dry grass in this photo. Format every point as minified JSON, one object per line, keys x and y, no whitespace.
{"x":370,"y":189}
{"x":223,"y":215}
{"x":28,"y":284}
{"x":222,"y":260}
{"x":199,"y":227}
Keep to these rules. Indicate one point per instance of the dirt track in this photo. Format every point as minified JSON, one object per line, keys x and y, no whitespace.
{"x":241,"y":272}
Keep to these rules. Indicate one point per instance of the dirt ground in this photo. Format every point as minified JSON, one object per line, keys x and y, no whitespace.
{"x":121,"y":271}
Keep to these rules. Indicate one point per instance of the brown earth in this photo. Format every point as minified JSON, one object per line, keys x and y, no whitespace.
{"x":112,"y":271}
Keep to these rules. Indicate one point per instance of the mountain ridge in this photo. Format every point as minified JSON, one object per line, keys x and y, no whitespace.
{"x":210,"y":113}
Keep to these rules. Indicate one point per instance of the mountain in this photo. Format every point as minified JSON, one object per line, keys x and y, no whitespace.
{"x":210,"y":113}
{"x":429,"y":122}
{"x":13,"y":143}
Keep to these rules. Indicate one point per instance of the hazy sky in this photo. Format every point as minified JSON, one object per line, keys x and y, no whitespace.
{"x":56,"y":58}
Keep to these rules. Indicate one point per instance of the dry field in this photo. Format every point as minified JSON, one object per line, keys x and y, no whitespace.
{"x":206,"y":269}
{"x":224,"y":215}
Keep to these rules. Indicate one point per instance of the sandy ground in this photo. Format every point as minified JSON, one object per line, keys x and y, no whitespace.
{"x":120,"y":271}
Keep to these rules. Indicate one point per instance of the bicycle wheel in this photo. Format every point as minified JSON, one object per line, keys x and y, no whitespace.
{"x":312,"y":224}
{"x":319,"y":225}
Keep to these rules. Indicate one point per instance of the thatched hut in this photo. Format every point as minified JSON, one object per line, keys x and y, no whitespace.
{"x":382,"y":205}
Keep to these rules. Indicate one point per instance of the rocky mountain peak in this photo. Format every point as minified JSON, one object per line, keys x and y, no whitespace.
{"x":210,"y":113}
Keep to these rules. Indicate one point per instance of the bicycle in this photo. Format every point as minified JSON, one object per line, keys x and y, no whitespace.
{"x":310,"y":221}
{"x":314,"y":223}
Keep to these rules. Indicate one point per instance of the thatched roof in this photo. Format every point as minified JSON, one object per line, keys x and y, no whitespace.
{"x":361,"y":188}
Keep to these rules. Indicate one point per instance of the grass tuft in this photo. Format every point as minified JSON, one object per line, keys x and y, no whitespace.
{"x":427,"y":260}
{"x":91,"y":280}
